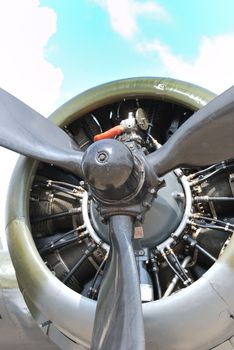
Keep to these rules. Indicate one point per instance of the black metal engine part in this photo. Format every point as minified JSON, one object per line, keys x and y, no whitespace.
{"x":188,"y":226}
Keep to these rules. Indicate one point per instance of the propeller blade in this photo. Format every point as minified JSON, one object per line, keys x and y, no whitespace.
{"x":25,"y":131}
{"x":119,"y":321}
{"x":205,"y":138}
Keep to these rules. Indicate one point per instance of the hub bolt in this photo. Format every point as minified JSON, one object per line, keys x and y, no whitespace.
{"x":102,"y":157}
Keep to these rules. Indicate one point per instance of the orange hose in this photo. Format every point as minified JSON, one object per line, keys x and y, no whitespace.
{"x":110,"y":134}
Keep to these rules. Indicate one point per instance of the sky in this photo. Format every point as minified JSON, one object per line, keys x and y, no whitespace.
{"x":51,"y":50}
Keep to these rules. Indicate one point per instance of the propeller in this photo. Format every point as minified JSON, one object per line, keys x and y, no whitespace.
{"x":204,"y":139}
{"x":25,"y":131}
{"x":119,"y":321}
{"x":207,"y":137}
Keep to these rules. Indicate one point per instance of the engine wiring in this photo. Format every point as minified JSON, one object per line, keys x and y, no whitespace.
{"x":70,"y":235}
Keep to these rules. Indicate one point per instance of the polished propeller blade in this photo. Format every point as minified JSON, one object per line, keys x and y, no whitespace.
{"x":119,"y":322}
{"x":205,"y":138}
{"x":25,"y":131}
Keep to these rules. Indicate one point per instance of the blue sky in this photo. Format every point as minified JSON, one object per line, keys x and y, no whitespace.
{"x":90,"y":49}
{"x":50,"y":50}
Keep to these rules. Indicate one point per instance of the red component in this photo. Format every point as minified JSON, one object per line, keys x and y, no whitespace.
{"x":110,"y":134}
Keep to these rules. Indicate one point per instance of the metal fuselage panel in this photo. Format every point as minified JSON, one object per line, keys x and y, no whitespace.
{"x":17,"y":327}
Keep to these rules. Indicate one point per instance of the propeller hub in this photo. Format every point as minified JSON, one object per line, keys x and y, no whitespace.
{"x":110,"y":170}
{"x":163,"y":217}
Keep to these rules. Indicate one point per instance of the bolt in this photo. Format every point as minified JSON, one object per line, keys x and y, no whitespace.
{"x":102,"y":157}
{"x":146,"y":204}
{"x":139,"y":218}
{"x":178,"y":195}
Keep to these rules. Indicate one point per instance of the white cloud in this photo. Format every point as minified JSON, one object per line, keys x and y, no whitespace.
{"x":212,"y":68}
{"x":123,"y":14}
{"x":25,"y":29}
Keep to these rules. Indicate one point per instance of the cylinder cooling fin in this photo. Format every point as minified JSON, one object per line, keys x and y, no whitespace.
{"x":181,"y":247}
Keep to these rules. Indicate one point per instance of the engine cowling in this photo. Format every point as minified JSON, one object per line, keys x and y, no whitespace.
{"x":179,"y":321}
